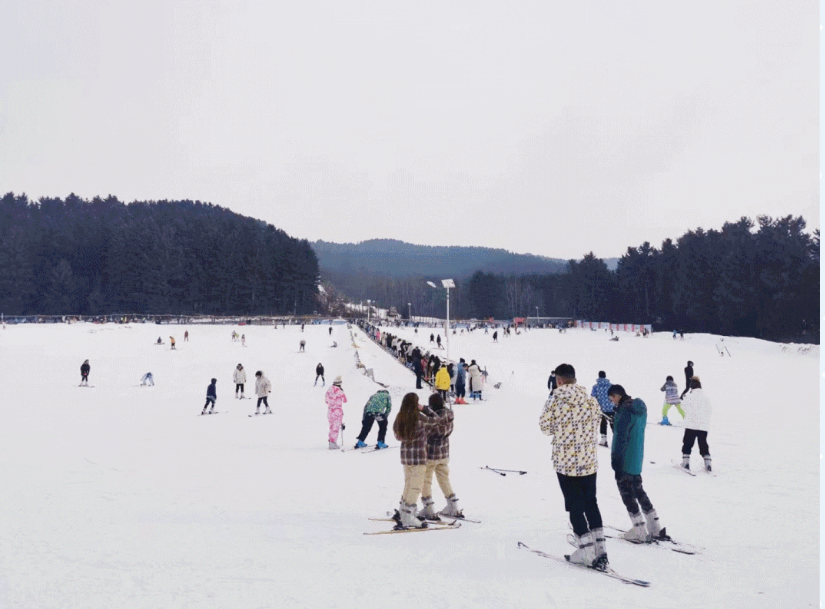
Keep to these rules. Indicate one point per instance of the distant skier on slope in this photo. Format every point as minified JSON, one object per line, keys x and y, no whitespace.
{"x":671,"y":399}
{"x":319,"y":373}
{"x":697,"y":423}
{"x":211,"y":396}
{"x":376,"y":410}
{"x":85,"y":368}
{"x":262,"y":389}
{"x":239,"y":376}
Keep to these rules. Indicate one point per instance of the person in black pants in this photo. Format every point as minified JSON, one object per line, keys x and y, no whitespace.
{"x":688,"y":376}
{"x":85,"y":368}
{"x":319,"y":373}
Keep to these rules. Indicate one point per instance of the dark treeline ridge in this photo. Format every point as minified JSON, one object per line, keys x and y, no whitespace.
{"x":757,"y":279}
{"x":90,"y":257}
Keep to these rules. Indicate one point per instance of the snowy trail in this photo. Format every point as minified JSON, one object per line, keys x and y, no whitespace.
{"x":120,"y":496}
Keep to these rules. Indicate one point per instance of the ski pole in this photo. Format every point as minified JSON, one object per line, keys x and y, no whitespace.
{"x":493,"y":470}
{"x":512,"y":471}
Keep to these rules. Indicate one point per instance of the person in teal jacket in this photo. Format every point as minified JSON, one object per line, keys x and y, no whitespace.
{"x":627,"y":454}
{"x":377,"y":410}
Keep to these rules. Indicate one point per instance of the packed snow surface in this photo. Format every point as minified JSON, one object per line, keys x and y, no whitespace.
{"x":121,"y":496}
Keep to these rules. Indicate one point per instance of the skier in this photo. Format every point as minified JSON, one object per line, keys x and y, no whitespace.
{"x":626,"y":458}
{"x":438,"y":459}
{"x":171,"y":342}
{"x":671,"y":399}
{"x":335,"y":399}
{"x":262,"y":389}
{"x":186,"y":336}
{"x":85,"y":368}
{"x":688,"y":376}
{"x":697,"y":423}
{"x":303,"y":344}
{"x":571,"y":416}
{"x":461,"y":382}
{"x":239,"y":376}
{"x":412,"y":427}
{"x":243,"y":340}
{"x":418,"y":368}
{"x":147,"y":379}
{"x":551,"y":382}
{"x":495,"y":336}
{"x":475,"y":380}
{"x":330,"y":330}
{"x":377,"y":410}
{"x":211,"y":396}
{"x":442,"y":382}
{"x":160,"y":342}
{"x":438,"y":341}
{"x":600,"y":393}
{"x":319,"y":372}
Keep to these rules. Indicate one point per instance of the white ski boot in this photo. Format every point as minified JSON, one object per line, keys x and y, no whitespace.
{"x":586,"y":554}
{"x":638,"y":534}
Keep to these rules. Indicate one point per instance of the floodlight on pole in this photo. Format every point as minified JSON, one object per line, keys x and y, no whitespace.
{"x":446,"y":284}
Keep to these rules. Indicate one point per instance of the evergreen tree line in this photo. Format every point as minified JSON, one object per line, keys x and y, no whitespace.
{"x":76,"y":256}
{"x":757,"y":279}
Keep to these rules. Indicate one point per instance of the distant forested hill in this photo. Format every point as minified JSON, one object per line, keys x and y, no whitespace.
{"x":392,"y":258}
{"x":76,"y":256}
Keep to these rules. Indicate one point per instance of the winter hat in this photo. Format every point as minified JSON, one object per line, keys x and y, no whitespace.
{"x":337,"y":381}
{"x":259,"y":373}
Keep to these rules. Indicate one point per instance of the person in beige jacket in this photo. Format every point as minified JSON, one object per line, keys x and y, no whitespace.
{"x":571,"y":416}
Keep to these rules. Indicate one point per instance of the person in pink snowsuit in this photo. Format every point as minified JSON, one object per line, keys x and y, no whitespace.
{"x":335,"y":399}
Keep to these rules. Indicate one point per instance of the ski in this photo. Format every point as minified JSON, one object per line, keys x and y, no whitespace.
{"x":260,"y":414}
{"x":678,"y":465}
{"x":455,"y":525}
{"x":609,"y":572}
{"x":455,"y":519}
{"x":203,"y":414}
{"x":346,"y":450}
{"x":686,"y":548}
{"x":373,"y":449}
{"x":656,"y":543}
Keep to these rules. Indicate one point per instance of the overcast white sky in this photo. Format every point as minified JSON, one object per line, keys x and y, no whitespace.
{"x":553,"y":128}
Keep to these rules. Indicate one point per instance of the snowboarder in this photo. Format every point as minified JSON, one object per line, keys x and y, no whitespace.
{"x":147,"y":379}
{"x":697,"y":423}
{"x":262,"y":389}
{"x":303,"y":344}
{"x":319,"y":373}
{"x":85,"y":368}
{"x":626,"y":458}
{"x":335,"y":399}
{"x":688,"y":376}
{"x":671,"y":399}
{"x":412,"y":427}
{"x":377,"y":410}
{"x":571,"y":417}
{"x":160,"y":342}
{"x":438,"y":459}
{"x":599,"y":392}
{"x":211,"y":396}
{"x":239,"y":376}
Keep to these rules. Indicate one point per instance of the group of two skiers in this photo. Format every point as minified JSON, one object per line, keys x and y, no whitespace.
{"x":262,"y":389}
{"x":571,"y":416}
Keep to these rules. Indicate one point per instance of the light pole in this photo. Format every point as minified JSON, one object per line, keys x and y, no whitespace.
{"x":368,"y":310}
{"x":409,"y":311}
{"x":447,"y":284}
{"x":537,"y":317}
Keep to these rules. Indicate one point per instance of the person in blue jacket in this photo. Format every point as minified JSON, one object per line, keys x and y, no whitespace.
{"x":626,"y":457}
{"x":211,"y":396}
{"x":599,"y":392}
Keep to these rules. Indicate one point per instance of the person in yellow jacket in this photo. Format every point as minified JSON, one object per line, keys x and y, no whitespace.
{"x":442,"y":382}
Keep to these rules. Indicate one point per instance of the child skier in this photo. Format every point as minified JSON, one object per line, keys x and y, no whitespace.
{"x":239,"y":376}
{"x":262,"y":389}
{"x":85,"y":368}
{"x":671,"y":399}
{"x":211,"y":396}
{"x":335,"y":399}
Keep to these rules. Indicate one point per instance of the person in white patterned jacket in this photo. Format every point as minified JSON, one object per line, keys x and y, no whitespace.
{"x":571,"y":416}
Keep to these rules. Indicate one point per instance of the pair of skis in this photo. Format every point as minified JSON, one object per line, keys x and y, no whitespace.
{"x":607,"y":571}
{"x":665,"y":543}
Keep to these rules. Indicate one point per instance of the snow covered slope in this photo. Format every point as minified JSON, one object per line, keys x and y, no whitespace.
{"x":122,"y":496}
